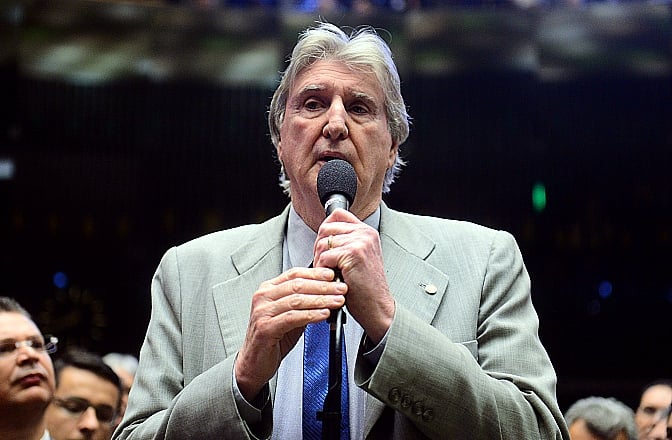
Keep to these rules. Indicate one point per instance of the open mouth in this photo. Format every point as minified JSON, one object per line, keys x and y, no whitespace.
{"x":327,"y":157}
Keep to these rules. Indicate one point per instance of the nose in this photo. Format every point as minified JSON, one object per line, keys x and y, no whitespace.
{"x":26,"y":355}
{"x":658,"y":431}
{"x":88,"y":420}
{"x":336,"y":127}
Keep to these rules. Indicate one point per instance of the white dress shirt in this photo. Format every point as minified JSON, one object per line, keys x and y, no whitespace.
{"x":288,"y":406}
{"x":288,"y":403}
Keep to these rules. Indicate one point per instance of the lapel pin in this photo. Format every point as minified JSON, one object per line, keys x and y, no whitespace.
{"x":429,"y":288}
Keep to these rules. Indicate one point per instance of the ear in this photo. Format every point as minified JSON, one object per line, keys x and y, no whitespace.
{"x":278,"y":150}
{"x":394,"y":150}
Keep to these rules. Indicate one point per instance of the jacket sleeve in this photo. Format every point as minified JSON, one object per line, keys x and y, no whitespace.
{"x":161,"y":405}
{"x":500,"y":385}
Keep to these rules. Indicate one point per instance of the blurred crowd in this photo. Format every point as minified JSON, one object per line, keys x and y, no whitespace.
{"x":81,"y":394}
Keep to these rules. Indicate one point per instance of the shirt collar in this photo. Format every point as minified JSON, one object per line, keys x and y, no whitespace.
{"x":300,"y":238}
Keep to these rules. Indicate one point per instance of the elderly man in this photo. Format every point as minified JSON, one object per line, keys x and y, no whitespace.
{"x":441,"y":338}
{"x":26,"y":374}
{"x":601,"y":418}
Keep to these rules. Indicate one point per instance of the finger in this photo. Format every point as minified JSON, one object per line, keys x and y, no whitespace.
{"x":300,"y":293}
{"x":311,"y":273}
{"x":280,"y":317}
{"x":341,"y":215}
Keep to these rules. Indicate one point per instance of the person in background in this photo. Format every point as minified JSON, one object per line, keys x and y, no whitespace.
{"x":26,"y":374}
{"x":601,"y":418}
{"x":87,"y":398}
{"x":654,"y":410}
{"x":441,"y":336}
{"x":125,"y":366}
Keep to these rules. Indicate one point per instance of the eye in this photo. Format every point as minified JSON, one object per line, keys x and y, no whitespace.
{"x":359,"y":109}
{"x":7,"y":347}
{"x":75,"y":405}
{"x":105,"y":413}
{"x":312,"y":104}
{"x":37,"y":344}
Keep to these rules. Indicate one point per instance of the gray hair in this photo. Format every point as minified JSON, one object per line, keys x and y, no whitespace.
{"x":604,"y":416}
{"x":8,"y":304}
{"x":363,"y":50}
{"x":126,"y":362}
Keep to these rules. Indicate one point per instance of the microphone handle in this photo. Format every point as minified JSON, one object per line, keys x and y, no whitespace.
{"x":335,"y":201}
{"x":331,"y":413}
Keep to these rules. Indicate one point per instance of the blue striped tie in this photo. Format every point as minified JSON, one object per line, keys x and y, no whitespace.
{"x":316,"y":378}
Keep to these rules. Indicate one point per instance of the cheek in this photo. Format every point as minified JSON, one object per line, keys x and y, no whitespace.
{"x":54,"y":419}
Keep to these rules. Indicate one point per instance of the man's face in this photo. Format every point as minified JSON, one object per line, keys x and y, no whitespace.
{"x":126,"y":383}
{"x":66,"y":417}
{"x":26,"y":375}
{"x":650,"y":415}
{"x":334,"y":112}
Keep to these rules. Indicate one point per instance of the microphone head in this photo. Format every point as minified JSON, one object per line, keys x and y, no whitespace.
{"x":337,"y":177}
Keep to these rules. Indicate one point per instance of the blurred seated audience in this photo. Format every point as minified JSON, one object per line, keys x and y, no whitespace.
{"x":26,"y":374}
{"x":87,"y":399}
{"x":125,"y":366}
{"x":600,"y":418}
{"x":653,"y":411}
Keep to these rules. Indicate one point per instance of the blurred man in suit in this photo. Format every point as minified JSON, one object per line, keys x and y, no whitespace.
{"x":87,"y":398}
{"x":601,"y":418}
{"x":26,"y":374}
{"x":654,"y":410}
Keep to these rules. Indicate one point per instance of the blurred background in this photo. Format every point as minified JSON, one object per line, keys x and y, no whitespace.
{"x":130,"y":127}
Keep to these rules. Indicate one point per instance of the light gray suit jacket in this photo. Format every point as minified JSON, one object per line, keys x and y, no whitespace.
{"x":462,"y":360}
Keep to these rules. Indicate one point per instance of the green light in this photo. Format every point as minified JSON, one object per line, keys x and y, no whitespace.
{"x":539,"y":197}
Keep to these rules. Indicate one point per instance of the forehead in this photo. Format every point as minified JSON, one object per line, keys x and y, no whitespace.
{"x":332,"y":76}
{"x":14,"y":325}
{"x":579,"y":431}
{"x":660,"y":394}
{"x":76,"y":382}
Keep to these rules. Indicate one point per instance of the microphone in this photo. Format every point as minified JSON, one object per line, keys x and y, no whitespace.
{"x":336,"y":185}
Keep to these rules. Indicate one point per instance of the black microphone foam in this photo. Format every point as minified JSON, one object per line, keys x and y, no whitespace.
{"x":337,"y":177}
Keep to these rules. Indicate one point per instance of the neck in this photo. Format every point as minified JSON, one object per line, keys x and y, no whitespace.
{"x":315,"y":216}
{"x":22,"y":425}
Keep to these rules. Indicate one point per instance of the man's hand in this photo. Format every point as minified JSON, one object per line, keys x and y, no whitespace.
{"x":352,"y":246}
{"x":281,"y":309}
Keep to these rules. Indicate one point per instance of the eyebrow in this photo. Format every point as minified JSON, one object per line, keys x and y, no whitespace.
{"x":368,"y":99}
{"x":37,"y":337}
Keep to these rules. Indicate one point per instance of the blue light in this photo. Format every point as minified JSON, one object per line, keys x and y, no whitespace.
{"x":60,"y":280}
{"x":605,"y":289}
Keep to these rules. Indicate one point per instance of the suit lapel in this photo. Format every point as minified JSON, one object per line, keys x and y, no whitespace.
{"x":415,"y":284}
{"x":255,"y":261}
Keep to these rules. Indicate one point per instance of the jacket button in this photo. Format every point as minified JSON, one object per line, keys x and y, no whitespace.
{"x":394,"y":395}
{"x":428,"y":415}
{"x":417,"y":409}
{"x":406,"y":401}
